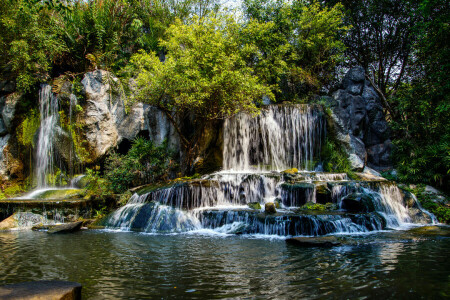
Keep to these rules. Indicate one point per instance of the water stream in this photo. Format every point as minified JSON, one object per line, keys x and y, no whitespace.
{"x":256,"y":150}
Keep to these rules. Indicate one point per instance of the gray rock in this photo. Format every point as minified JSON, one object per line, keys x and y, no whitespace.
{"x":102,"y":113}
{"x":356,"y":163}
{"x":7,"y":87}
{"x":9,"y":109}
{"x":36,"y":290}
{"x":65,"y":228}
{"x":133,"y":123}
{"x":360,"y":123}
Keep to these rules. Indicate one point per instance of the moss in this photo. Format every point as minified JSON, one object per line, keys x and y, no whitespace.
{"x":291,"y":171}
{"x":27,"y":128}
{"x":254,"y":205}
{"x":440,"y":209}
{"x":60,"y":194}
{"x":319,"y":207}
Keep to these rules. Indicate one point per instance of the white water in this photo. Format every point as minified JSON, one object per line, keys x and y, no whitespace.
{"x":48,"y":107}
{"x":280,"y":138}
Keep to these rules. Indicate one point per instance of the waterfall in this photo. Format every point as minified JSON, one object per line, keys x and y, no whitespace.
{"x":48,"y":107}
{"x":281,"y":137}
{"x":255,"y":150}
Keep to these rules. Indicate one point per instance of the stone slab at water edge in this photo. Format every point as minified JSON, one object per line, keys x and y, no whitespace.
{"x":41,"y":290}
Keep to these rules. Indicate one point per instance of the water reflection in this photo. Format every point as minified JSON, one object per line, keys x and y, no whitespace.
{"x":139,"y":266}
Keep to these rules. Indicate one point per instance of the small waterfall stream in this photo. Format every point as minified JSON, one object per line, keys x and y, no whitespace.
{"x":48,"y":107}
{"x":255,"y":152}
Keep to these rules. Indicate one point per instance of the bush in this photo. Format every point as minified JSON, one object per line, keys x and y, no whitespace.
{"x":144,"y":163}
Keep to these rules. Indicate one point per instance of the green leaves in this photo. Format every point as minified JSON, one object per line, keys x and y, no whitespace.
{"x":205,"y":71}
{"x":144,"y":163}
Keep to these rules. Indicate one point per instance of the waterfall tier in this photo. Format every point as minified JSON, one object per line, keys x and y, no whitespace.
{"x":255,"y":150}
{"x":221,"y":202}
{"x":279,"y":138}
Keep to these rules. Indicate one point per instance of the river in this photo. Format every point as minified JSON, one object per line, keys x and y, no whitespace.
{"x":207,"y":265}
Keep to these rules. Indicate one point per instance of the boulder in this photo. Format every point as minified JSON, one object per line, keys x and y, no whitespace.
{"x":66,"y":228}
{"x":103,"y":111}
{"x":37,"y":290}
{"x":270,"y":208}
{"x":320,"y":241}
{"x":358,"y":203}
{"x":22,"y":220}
{"x":359,"y":122}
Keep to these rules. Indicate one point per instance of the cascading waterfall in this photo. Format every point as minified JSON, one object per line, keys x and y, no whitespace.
{"x":255,"y":151}
{"x":48,"y":107}
{"x":281,"y":137}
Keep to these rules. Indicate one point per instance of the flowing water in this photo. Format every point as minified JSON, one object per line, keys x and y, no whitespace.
{"x":255,"y":150}
{"x":48,"y":108}
{"x":117,"y":265}
{"x":281,"y":137}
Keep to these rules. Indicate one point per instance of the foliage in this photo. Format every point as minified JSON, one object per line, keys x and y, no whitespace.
{"x":334,"y":158}
{"x":28,"y":127}
{"x":380,"y":39}
{"x":98,"y":187}
{"x":309,"y":33}
{"x":204,"y":72}
{"x":422,"y":131}
{"x":30,"y":41}
{"x":144,"y":163}
{"x":439,"y":208}
{"x":318,"y":206}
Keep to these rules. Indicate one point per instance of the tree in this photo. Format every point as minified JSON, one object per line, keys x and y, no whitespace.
{"x":205,"y":74}
{"x":381,"y":40}
{"x":29,"y":43}
{"x":307,"y":35}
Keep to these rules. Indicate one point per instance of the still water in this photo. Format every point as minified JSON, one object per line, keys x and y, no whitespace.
{"x":124,"y":265}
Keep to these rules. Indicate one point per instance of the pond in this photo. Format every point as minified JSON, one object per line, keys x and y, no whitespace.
{"x":202,"y":265}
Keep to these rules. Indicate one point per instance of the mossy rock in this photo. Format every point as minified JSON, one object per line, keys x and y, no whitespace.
{"x":291,"y":171}
{"x":270,"y":208}
{"x":254,"y":205}
{"x":60,"y":194}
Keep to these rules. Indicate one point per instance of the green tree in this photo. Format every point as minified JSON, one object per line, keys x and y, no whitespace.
{"x":30,"y":43}
{"x":205,"y":74}
{"x":308,"y":33}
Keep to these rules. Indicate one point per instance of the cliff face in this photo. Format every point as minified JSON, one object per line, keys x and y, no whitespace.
{"x":104,"y":122}
{"x":359,"y":122}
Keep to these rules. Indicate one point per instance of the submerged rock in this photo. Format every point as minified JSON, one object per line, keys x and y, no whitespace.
{"x":36,"y":290}
{"x":66,"y":228}
{"x":432,"y":230}
{"x":321,"y":241}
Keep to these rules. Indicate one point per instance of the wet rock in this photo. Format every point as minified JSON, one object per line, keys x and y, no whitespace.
{"x":291,"y":171}
{"x":323,"y":193}
{"x":37,"y":290}
{"x":66,"y":228}
{"x":270,"y":208}
{"x":22,"y":220}
{"x":322,"y":241}
{"x":254,"y":205}
{"x":358,"y":203}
